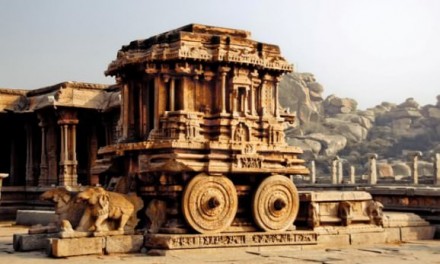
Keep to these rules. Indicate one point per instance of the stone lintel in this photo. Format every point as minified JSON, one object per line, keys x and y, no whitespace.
{"x":189,"y":241}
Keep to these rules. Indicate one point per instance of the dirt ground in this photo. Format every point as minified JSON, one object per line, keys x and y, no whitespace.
{"x":427,"y":251}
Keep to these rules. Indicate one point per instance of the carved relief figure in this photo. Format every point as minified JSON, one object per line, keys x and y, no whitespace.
{"x":345,"y":212}
{"x":104,"y":205}
{"x":375,"y":212}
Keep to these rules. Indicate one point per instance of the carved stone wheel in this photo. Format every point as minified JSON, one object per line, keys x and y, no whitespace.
{"x":209,"y":203}
{"x":275,"y":203}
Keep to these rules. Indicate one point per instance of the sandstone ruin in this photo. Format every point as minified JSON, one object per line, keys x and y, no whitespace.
{"x":194,"y":126}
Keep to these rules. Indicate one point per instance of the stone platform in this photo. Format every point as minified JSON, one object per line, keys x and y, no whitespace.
{"x":397,"y":227}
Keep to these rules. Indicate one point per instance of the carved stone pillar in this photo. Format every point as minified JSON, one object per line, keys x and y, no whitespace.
{"x":44,"y":173}
{"x":68,"y":162}
{"x":223,"y":72}
{"x":437,"y":168}
{"x":414,"y":166}
{"x":352,"y":174}
{"x":29,"y":156}
{"x":172,"y":94}
{"x":276,"y":99}
{"x":312,"y":172}
{"x":335,"y":163}
{"x":254,"y":88}
{"x":124,"y":111}
{"x":13,"y":161}
{"x":372,"y":170}
{"x":340,"y":172}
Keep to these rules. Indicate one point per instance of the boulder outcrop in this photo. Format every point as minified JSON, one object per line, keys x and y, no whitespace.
{"x":334,"y":126}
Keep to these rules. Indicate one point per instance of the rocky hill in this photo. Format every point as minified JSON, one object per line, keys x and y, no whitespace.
{"x":333,"y":126}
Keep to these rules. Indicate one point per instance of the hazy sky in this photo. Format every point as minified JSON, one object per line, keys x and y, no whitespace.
{"x":372,"y":51}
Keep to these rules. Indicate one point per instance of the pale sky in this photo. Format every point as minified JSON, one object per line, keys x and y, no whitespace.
{"x":371,"y":51}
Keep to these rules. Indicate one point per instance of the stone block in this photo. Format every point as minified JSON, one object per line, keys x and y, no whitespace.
{"x":35,"y":217}
{"x":29,"y":242}
{"x":333,"y":240}
{"x":368,"y":238}
{"x":124,"y":244}
{"x":417,"y":233}
{"x":394,"y":219}
{"x":76,"y":246}
{"x":392,"y":235}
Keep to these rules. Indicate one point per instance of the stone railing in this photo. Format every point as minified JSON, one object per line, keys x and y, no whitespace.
{"x":371,"y":175}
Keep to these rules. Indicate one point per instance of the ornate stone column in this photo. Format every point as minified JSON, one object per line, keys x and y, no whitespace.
{"x":29,"y":155}
{"x":414,"y":166}
{"x":276,"y":99}
{"x":372,"y":170}
{"x":93,"y":150}
{"x":44,"y":173}
{"x":223,"y":73}
{"x":68,"y":162}
{"x":437,"y":168}
{"x":254,"y":87}
{"x":172,"y":94}
{"x":124,"y":111}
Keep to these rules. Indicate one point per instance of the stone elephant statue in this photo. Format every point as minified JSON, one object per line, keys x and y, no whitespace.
{"x":69,"y":213}
{"x":105,"y":206}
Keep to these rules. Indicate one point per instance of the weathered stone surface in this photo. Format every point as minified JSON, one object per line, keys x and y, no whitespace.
{"x":335,"y":105}
{"x":29,"y":242}
{"x":401,"y":169}
{"x":434,"y":112}
{"x":351,"y":131}
{"x":76,"y":246}
{"x":336,"y":240}
{"x":395,"y":219}
{"x":368,"y":238}
{"x":393,"y":235}
{"x":384,"y":170}
{"x":34,"y":217}
{"x":332,"y":144}
{"x":124,"y":244}
{"x":301,"y":93}
{"x":412,"y":233}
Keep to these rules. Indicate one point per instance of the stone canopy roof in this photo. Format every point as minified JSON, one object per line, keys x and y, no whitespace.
{"x":201,"y":43}
{"x":65,"y":94}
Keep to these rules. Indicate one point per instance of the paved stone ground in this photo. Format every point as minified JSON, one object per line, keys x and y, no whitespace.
{"x":419,"y":252}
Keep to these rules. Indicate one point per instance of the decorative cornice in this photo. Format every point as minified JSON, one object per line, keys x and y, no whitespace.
{"x":201,"y":43}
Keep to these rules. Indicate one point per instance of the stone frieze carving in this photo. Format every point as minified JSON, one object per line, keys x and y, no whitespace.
{"x":230,"y":240}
